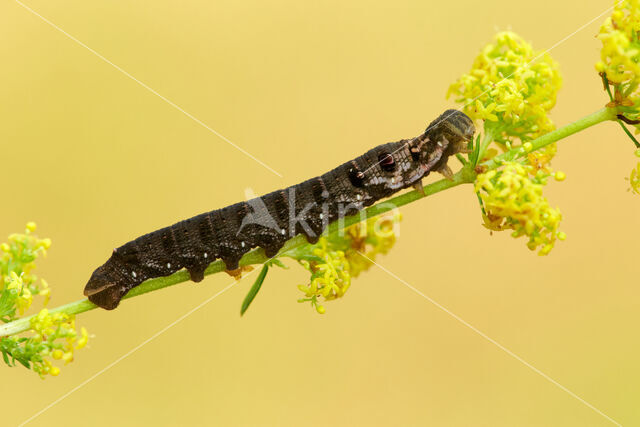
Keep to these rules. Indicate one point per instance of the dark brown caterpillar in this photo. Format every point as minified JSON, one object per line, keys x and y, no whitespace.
{"x":269,"y":221}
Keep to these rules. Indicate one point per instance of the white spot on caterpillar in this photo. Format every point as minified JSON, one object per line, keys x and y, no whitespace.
{"x":133,"y":273}
{"x":168,"y":265}
{"x":359,"y":196}
{"x":439,"y":144}
{"x":242,"y":244}
{"x":321,"y":216}
{"x":205,"y":255}
{"x":393,"y":180}
{"x":282,"y":231}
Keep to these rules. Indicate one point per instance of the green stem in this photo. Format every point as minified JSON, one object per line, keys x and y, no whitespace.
{"x":487,"y":139}
{"x":592,"y":119}
{"x":629,"y":134}
{"x":257,"y":256}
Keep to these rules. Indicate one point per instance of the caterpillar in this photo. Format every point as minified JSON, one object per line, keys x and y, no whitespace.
{"x":269,"y":221}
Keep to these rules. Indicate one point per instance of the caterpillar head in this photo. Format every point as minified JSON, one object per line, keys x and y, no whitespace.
{"x":103,"y":290}
{"x":455,"y":126}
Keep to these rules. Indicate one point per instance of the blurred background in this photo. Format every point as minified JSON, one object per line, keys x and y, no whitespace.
{"x":96,"y":160}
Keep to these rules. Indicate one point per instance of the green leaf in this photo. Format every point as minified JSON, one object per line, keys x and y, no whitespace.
{"x":279,"y":263}
{"x":309,"y":257}
{"x":484,"y":212}
{"x":629,"y":134}
{"x":473,"y":158}
{"x":254,"y":289}
{"x":8,"y":304}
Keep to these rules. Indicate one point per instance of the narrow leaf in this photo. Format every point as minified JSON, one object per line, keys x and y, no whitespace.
{"x":461,"y":159}
{"x":254,"y":289}
{"x":279,"y":263}
{"x":476,"y":151}
{"x":629,"y":134}
{"x":309,"y":257}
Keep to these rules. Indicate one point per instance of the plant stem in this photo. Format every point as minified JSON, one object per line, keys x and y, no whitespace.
{"x":257,"y":256}
{"x":592,"y":119}
{"x":487,"y":139}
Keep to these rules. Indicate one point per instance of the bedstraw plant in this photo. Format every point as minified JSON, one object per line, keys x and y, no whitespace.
{"x":509,"y":91}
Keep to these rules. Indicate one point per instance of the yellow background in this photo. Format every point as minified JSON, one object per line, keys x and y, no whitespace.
{"x":96,"y":160}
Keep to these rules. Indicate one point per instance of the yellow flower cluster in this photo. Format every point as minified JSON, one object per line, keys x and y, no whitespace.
{"x":57,"y":336}
{"x":334,"y":260}
{"x":52,"y":336}
{"x":620,"y":55}
{"x":330,"y":277}
{"x":512,"y":199}
{"x":17,"y":261}
{"x":619,"y":67}
{"x":370,"y":238}
{"x":510,"y":86}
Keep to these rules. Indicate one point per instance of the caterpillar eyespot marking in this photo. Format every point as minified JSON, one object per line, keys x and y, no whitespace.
{"x":306,"y":208}
{"x":387,"y":163}
{"x":356,"y":177}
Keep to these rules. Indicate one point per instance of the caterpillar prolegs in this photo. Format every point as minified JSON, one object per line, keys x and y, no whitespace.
{"x":269,"y":221}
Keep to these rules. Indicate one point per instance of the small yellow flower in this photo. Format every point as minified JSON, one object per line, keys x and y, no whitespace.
{"x":45,"y":292}
{"x":67,"y":357}
{"x":83,"y":339}
{"x":485,"y":113}
{"x":560,"y":176}
{"x":44,"y":243}
{"x":23,"y":298}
